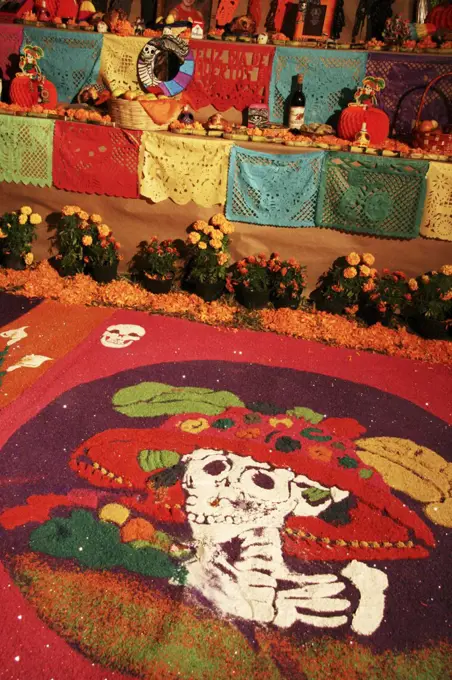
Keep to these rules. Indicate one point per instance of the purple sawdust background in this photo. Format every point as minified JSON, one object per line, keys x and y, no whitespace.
{"x":416,"y":610}
{"x":12,"y":307}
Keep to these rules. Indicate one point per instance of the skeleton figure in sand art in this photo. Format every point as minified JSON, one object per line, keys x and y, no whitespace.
{"x":122,"y":335}
{"x":267,"y":497}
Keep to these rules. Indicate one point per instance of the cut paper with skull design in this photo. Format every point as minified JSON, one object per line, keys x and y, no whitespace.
{"x":122,"y":335}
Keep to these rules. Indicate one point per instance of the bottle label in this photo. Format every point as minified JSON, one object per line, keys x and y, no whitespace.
{"x":296,"y":116}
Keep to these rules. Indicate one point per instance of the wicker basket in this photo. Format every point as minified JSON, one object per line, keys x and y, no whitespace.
{"x":434,"y":141}
{"x":133,"y":116}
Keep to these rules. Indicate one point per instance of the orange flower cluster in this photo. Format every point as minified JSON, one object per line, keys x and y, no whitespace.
{"x":81,"y":115}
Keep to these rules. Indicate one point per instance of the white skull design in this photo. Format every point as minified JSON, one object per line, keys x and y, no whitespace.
{"x":122,"y":335}
{"x":234,"y":497}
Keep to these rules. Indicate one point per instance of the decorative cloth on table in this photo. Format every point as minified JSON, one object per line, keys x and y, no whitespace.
{"x":94,"y":159}
{"x":330,"y":79}
{"x":406,"y":77}
{"x":371,"y":195}
{"x":273,"y":189}
{"x":118,"y":66}
{"x":437,"y":216}
{"x":184,"y":169}
{"x":228,"y":75}
{"x":26,"y":150}
{"x":10,"y":43}
{"x":70,"y":61}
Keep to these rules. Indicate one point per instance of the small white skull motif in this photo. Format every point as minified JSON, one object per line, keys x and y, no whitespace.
{"x":122,"y":335}
{"x":234,"y":497}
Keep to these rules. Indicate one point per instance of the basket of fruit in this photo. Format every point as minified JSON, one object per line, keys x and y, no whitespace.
{"x":427,"y":133}
{"x":138,"y":111}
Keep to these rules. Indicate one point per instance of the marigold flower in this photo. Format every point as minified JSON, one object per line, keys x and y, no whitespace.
{"x":425,"y":278}
{"x":194,"y":237}
{"x":364,"y":270}
{"x":28,"y":259}
{"x":68,"y":210}
{"x":227,"y":228}
{"x":222,"y":258}
{"x":215,"y":244}
{"x":2,"y":234}
{"x":23,"y":219}
{"x":447,"y":296}
{"x":373,"y":272}
{"x":412,"y":284}
{"x":97,"y":219}
{"x":87,"y":240}
{"x":353,"y":258}
{"x":202,"y":245}
{"x":26,"y":210}
{"x":103,"y":230}
{"x":35,"y":218}
{"x":350,"y":272}
{"x":199,"y":225}
{"x":352,"y":310}
{"x":218,"y":219}
{"x":368,"y":286}
{"x":218,"y":235}
{"x":368,"y":259}
{"x":117,"y":245}
{"x":84,"y":225}
{"x":83,"y":215}
{"x":446,"y":269}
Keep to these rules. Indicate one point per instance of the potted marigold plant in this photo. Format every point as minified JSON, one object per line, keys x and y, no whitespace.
{"x":100,"y":250}
{"x":155,"y":264}
{"x":386,"y":297}
{"x":70,"y":230}
{"x":287,"y":281}
{"x":339,"y":289}
{"x":208,"y":256}
{"x":431,"y":309}
{"x":17,"y":233}
{"x":249,"y":279}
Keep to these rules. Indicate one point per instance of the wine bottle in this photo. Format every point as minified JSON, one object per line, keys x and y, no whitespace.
{"x":297,"y":106}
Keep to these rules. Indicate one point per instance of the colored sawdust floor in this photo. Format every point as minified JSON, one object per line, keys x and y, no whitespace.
{"x":180,"y":501}
{"x":44,"y":282}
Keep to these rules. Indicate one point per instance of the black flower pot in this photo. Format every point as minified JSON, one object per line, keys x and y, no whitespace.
{"x":157,"y":286}
{"x":431,"y":329}
{"x":209,"y":291}
{"x":334,"y":306}
{"x":371,"y":315}
{"x":68,"y":270}
{"x":286,"y":301}
{"x":103,"y":273}
{"x":11,"y":261}
{"x":252,"y":299}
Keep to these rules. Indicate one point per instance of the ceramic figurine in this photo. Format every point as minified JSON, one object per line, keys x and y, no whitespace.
{"x":139,"y":26}
{"x":186,"y":116}
{"x":262,"y":39}
{"x":362,"y":137}
{"x":366,"y":95}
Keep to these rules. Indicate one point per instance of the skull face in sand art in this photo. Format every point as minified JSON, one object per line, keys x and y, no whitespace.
{"x":122,"y":335}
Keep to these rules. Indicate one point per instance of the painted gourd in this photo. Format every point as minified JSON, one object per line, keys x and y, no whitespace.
{"x":353,"y":117}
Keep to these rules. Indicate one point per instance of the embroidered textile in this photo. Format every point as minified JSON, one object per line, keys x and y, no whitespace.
{"x":437,"y":217}
{"x":406,"y":78}
{"x":228,"y":75}
{"x":70,"y":61}
{"x":330,"y":78}
{"x":371,"y":195}
{"x":10,"y":42}
{"x":26,"y":150}
{"x":271,"y":189}
{"x":184,"y":169}
{"x":96,"y":160}
{"x":118,"y":66}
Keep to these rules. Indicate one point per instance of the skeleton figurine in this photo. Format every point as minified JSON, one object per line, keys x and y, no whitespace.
{"x":122,"y":335}
{"x":232,"y":497}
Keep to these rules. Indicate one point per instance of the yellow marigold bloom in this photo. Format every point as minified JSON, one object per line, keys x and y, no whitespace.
{"x":425,"y":278}
{"x":353,"y":258}
{"x":23,"y":219}
{"x":222,"y":258}
{"x":218,"y":235}
{"x":194,"y":237}
{"x":218,"y":219}
{"x":373,"y":272}
{"x":350,"y":272}
{"x":446,"y":269}
{"x":35,"y":218}
{"x":208,"y":229}
{"x":26,"y":210}
{"x":215,"y":244}
{"x":87,"y":240}
{"x":199,"y":225}
{"x":368,"y":259}
{"x":103,"y":230}
{"x":97,"y":219}
{"x":84,"y":225}
{"x":2,"y":234}
{"x":227,"y":228}
{"x":202,"y":245}
{"x":412,"y":284}
{"x":28,"y":259}
{"x":364,"y":270}
{"x":447,"y":296}
{"x":68,"y":210}
{"x":83,"y":215}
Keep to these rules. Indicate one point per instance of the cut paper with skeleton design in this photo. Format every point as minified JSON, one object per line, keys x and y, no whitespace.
{"x":268,"y":498}
{"x":14,"y":335}
{"x":122,"y":335}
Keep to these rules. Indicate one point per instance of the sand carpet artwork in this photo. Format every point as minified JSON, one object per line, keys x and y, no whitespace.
{"x":182,"y":501}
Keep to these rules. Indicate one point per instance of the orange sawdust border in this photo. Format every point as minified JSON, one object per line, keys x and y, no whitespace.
{"x":44,"y":282}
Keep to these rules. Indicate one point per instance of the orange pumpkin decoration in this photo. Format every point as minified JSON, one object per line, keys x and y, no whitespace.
{"x":353,"y":117}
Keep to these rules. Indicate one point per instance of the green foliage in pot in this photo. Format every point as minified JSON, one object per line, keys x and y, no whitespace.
{"x":252,"y":273}
{"x":287,"y":277}
{"x":433,"y":295}
{"x":156,"y":260}
{"x":17,"y":233}
{"x":208,"y":250}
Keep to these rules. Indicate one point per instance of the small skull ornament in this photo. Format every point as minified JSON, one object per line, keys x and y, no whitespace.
{"x":262,"y":39}
{"x":122,"y":335}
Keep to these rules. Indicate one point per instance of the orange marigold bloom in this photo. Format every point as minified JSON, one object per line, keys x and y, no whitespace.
{"x":368,"y":259}
{"x":353,"y":258}
{"x":350,"y":272}
{"x":446,"y":269}
{"x":412,"y":284}
{"x":364,"y":270}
